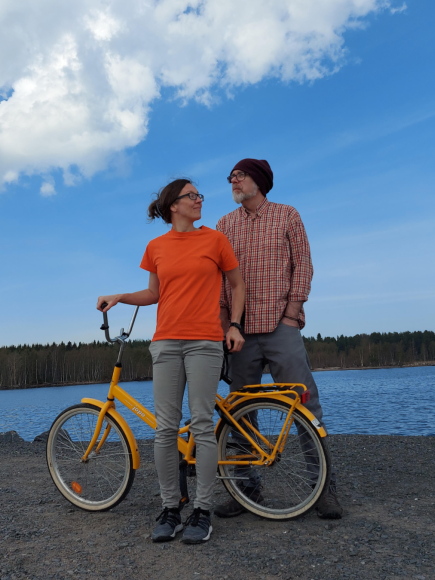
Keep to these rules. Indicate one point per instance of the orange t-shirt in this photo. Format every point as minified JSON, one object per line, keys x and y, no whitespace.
{"x":189,"y":267}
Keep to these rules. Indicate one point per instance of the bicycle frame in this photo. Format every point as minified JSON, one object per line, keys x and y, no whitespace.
{"x":286,"y":393}
{"x":281,"y":391}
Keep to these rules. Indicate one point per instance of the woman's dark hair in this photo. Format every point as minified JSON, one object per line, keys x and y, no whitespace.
{"x":161,"y":206}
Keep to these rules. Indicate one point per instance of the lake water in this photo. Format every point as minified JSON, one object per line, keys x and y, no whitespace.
{"x":374,"y":402}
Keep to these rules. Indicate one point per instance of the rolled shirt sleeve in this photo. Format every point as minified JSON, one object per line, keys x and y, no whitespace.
{"x":301,"y":264}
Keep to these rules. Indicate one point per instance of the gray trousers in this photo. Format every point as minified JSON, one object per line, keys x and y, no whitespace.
{"x":285,"y":352}
{"x":199,"y":362}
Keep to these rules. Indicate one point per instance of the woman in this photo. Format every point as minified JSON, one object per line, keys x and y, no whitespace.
{"x":185,"y":268}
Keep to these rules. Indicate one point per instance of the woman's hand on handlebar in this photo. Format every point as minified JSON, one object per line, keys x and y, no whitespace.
{"x":234,"y":339}
{"x":109,"y":301}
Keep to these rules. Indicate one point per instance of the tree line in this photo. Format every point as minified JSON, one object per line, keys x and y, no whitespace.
{"x":371,"y":350}
{"x":62,"y":364}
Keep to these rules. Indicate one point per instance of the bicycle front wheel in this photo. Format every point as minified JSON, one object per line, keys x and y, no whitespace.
{"x":106,"y":477}
{"x":294,"y":482}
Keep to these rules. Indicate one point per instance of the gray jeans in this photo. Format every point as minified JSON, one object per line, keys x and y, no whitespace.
{"x":199,"y":362}
{"x":285,"y":352}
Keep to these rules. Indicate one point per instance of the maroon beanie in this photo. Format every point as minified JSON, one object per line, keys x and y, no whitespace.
{"x":259,"y":170}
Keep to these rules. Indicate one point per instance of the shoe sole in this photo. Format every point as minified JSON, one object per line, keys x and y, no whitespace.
{"x":177,"y":529}
{"x":334,"y":516}
{"x":192,"y":541}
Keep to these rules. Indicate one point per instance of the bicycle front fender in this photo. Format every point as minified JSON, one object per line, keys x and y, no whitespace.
{"x":124,"y":426}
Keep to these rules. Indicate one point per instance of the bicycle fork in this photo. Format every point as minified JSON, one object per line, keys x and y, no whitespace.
{"x":107,"y":405}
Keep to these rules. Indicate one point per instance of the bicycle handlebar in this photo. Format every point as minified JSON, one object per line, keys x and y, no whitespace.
{"x":123,"y":335}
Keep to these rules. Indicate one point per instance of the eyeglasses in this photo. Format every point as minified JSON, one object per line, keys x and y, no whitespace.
{"x":238,"y":176}
{"x":192,"y":195}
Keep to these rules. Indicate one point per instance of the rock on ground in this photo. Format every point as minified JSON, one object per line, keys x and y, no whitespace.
{"x":387,"y":532}
{"x":10,"y":437}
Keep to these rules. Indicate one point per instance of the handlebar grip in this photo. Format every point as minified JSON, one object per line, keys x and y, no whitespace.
{"x":105,"y":325}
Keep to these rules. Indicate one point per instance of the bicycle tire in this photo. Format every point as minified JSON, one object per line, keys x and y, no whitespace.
{"x":106,"y":478}
{"x":294,"y":483}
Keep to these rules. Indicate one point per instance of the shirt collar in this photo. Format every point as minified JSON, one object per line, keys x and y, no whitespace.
{"x":261,"y":208}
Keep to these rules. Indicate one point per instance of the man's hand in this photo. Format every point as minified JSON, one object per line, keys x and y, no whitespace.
{"x":234,"y":339}
{"x":288,"y":322}
{"x":292,"y":310}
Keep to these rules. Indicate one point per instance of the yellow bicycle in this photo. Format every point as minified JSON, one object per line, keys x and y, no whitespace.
{"x":263,"y":432}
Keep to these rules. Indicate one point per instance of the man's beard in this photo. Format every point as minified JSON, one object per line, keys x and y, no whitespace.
{"x":239,"y":197}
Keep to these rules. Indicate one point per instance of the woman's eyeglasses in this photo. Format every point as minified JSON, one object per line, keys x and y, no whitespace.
{"x":238,"y":176}
{"x":191,"y":195}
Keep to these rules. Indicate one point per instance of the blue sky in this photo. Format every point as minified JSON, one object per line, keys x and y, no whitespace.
{"x":353,"y":151}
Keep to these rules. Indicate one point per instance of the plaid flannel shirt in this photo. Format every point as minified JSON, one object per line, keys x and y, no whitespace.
{"x":274,"y":259}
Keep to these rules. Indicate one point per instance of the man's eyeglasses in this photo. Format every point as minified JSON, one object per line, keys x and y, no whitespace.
{"x":192,"y":195}
{"x":238,"y":176}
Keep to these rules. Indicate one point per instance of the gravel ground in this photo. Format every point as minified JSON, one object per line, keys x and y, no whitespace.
{"x":386,"y":486}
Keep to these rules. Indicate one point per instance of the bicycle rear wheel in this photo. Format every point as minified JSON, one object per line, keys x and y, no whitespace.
{"x":106,"y":478}
{"x":294,"y":482}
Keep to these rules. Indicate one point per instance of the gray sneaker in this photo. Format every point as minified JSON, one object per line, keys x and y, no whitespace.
{"x":198,"y":527}
{"x":169,"y":525}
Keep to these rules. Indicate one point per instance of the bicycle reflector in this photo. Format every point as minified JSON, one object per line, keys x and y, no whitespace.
{"x":76,"y":487}
{"x":305,"y":397}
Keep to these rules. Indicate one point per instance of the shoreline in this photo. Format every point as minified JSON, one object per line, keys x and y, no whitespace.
{"x":72,"y":384}
{"x":147,"y":379}
{"x":405,"y":366}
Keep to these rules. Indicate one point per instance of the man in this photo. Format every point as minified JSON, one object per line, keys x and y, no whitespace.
{"x":271,"y":245}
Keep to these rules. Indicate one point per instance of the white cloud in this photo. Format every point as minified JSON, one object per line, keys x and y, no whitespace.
{"x":399,"y":9}
{"x":79,"y":77}
{"x":102,"y":25}
{"x":47,"y":188}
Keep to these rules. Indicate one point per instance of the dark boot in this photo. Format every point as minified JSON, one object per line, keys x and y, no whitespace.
{"x":233,"y":508}
{"x":328,"y":507}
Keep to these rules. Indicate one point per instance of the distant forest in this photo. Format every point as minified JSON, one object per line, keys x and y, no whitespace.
{"x":62,"y":364}
{"x":371,"y":350}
